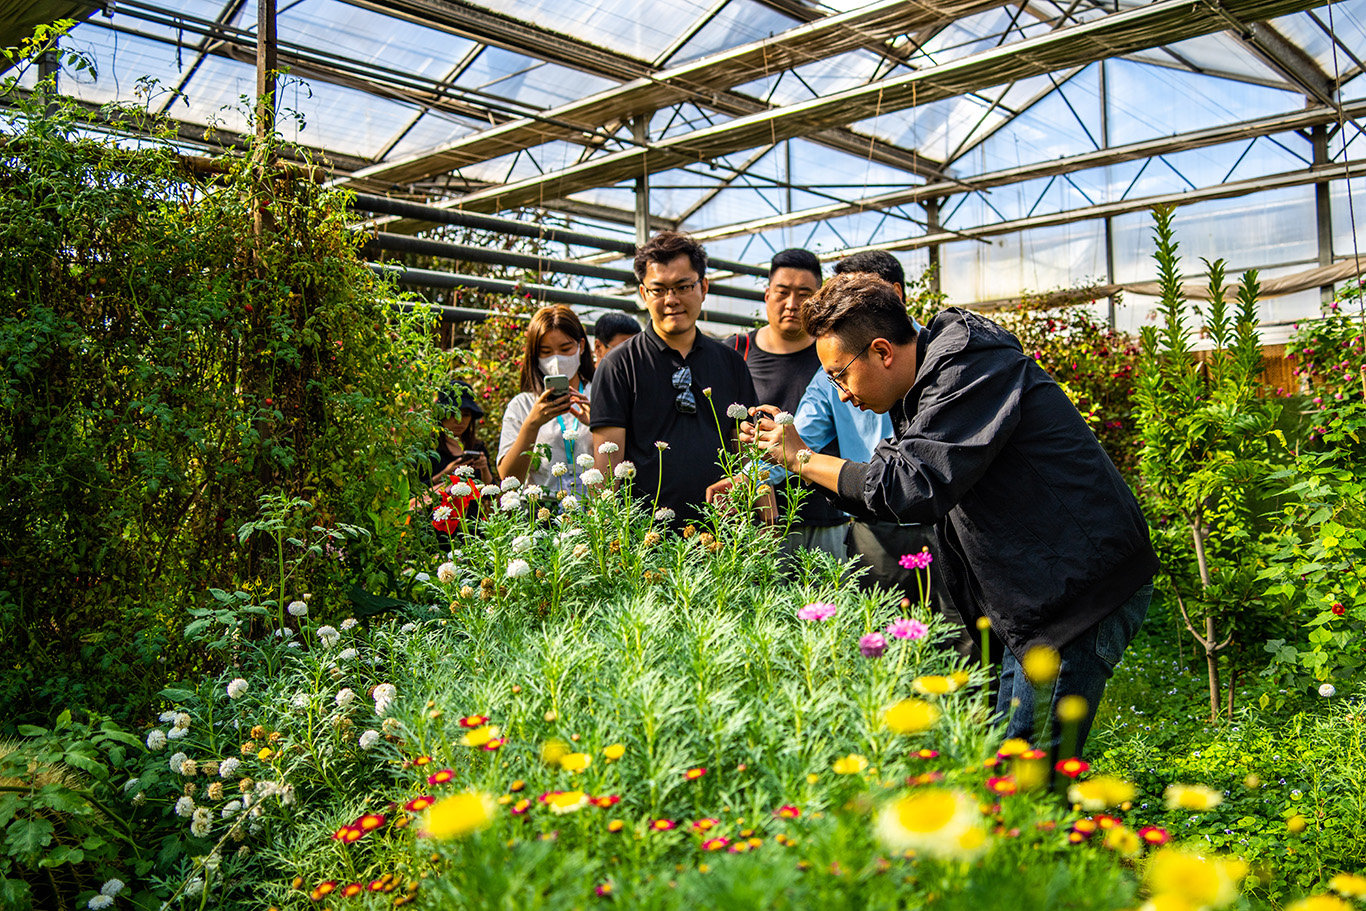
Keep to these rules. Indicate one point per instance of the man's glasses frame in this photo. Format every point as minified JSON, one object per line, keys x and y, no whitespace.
{"x":681,"y":289}
{"x":835,"y":377}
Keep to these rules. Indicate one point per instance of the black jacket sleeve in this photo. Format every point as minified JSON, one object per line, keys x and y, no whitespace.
{"x":961,"y":412}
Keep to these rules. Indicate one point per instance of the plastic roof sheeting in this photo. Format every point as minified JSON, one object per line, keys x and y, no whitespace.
{"x":387,"y":83}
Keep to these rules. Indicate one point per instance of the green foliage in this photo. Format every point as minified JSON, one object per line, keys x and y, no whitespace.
{"x":685,"y":649}
{"x":1210,"y":444}
{"x":162,"y":363}
{"x":1094,"y":363}
{"x":1328,"y":350}
{"x":1316,"y":571}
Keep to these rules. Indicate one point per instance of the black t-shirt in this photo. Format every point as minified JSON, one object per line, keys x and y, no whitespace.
{"x":780,"y":379}
{"x":633,"y":389}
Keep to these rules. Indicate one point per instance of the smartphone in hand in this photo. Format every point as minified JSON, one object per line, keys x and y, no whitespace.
{"x":557,"y":385}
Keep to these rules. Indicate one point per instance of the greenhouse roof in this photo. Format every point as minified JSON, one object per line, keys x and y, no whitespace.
{"x":1019,"y":145}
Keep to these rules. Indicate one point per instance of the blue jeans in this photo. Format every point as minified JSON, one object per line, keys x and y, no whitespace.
{"x":1087,"y":663}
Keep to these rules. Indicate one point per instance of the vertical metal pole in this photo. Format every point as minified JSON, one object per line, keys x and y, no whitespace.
{"x":1323,"y":207}
{"x":932,"y":227}
{"x":640,"y":127}
{"x":1109,"y":222}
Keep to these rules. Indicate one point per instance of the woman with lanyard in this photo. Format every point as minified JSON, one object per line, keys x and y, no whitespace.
{"x":544,"y":426}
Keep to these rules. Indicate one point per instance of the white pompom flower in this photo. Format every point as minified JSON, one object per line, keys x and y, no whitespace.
{"x":784,"y":419}
{"x":384,"y":695}
{"x":490,"y":490}
{"x":559,"y":470}
{"x":510,"y":501}
{"x":533,"y":492}
{"x":297,"y":609}
{"x":625,"y":470}
{"x":585,"y":461}
{"x":345,"y":696}
{"x":570,"y":503}
{"x":446,"y":572}
{"x":608,"y":448}
{"x":461,"y":490}
{"x":328,"y":635}
{"x":184,"y":807}
{"x":510,"y":483}
{"x":736,"y":411}
{"x":237,"y":688}
{"x":156,"y":740}
{"x":521,"y":544}
{"x":1328,"y":691}
{"x":463,"y":471}
{"x":518,"y":568}
{"x":112,"y":887}
{"x":664,"y":514}
{"x":368,"y":740}
{"x":591,"y":477}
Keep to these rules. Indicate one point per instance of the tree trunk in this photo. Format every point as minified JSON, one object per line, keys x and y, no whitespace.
{"x":1211,"y":640}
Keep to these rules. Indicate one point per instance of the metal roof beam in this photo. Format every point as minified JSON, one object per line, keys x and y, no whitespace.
{"x":702,"y":81}
{"x":1314,"y":175}
{"x":1165,"y":145}
{"x":1116,"y":33}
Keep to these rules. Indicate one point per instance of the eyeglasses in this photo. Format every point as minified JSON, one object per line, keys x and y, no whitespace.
{"x":835,"y":377}
{"x":685,"y":402}
{"x":659,"y":294}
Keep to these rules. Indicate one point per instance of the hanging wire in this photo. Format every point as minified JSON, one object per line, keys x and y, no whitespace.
{"x":1347,"y":179}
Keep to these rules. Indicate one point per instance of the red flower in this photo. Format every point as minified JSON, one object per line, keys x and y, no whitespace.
{"x":418,"y":804}
{"x":694,"y":774}
{"x":369,"y":822}
{"x":703,"y":825}
{"x":493,"y":745}
{"x":520,"y":807}
{"x":474,"y":721}
{"x":1338,"y":609}
{"x":663,"y":825}
{"x":715,"y":844}
{"x":386,"y":883}
{"x":1003,"y":785}
{"x":1154,"y":835}
{"x":322,"y":890}
{"x":606,"y":800}
{"x":348,"y":834}
{"x":351,"y":890}
{"x":441,"y":777}
{"x":1072,"y":767}
{"x":925,"y":754}
{"x":787,"y":811}
{"x":422,"y":760}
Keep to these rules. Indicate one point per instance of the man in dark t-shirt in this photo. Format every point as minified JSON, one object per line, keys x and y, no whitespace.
{"x":653,"y":388}
{"x":782,"y":360}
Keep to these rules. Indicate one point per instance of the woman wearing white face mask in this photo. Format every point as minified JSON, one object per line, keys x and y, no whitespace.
{"x":540,"y":428}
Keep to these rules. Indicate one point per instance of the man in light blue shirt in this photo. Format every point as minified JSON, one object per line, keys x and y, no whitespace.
{"x":822,"y":418}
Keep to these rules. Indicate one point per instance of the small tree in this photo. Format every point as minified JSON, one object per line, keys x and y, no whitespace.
{"x":1207,"y":436}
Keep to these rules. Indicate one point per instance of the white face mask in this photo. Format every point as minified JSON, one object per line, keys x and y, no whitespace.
{"x":560,"y":364}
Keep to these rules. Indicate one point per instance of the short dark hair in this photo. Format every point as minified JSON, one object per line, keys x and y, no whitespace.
{"x":667,"y":246}
{"x":796,"y":258}
{"x":879,"y":262}
{"x":610,"y":325}
{"x":857,"y":308}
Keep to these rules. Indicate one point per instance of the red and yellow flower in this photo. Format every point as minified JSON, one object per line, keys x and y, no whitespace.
{"x":441,"y":777}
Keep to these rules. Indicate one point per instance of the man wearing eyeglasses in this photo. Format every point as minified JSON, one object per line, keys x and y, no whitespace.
{"x":1037,"y":530}
{"x":649,"y":390}
{"x":782,"y":360}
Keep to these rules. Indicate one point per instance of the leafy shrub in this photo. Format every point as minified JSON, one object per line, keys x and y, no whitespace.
{"x":162,"y":364}
{"x":1094,"y":363}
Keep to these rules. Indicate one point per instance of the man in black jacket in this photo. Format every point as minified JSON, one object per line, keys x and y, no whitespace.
{"x":1038,"y":532}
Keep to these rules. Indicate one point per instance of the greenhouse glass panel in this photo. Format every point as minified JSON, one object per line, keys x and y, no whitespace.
{"x":1348,"y":21}
{"x":120,"y":61}
{"x":434,"y":130}
{"x":738,"y":22}
{"x":528,"y":81}
{"x":1148,"y":101}
{"x":368,"y":37}
{"x":640,"y":30}
{"x":1038,"y":260}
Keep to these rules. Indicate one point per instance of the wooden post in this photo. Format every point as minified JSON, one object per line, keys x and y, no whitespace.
{"x":266,"y":67}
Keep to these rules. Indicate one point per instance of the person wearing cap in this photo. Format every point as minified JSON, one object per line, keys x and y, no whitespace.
{"x":457,"y":443}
